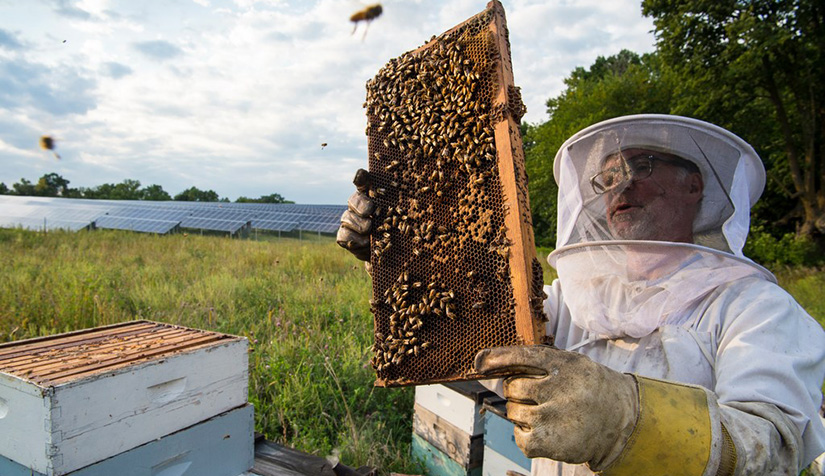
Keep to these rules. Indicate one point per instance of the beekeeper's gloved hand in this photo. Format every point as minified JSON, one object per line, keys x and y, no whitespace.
{"x":568,"y":408}
{"x":354,"y":232}
{"x":565,"y":406}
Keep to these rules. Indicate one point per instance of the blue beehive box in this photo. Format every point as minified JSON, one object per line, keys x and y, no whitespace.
{"x":220,"y":446}
{"x":501,"y":454}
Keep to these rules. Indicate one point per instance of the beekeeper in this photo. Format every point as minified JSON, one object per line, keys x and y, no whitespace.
{"x":681,"y":355}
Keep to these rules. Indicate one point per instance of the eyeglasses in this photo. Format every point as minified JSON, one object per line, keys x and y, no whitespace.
{"x":638,"y":167}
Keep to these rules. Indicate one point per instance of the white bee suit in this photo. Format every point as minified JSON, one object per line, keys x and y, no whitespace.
{"x":750,"y":345}
{"x":701,"y":313}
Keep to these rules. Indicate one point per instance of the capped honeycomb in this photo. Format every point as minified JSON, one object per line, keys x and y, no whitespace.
{"x":57,"y":360}
{"x":453,"y":258}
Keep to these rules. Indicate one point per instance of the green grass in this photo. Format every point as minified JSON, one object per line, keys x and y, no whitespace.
{"x":806,"y":286}
{"x":302,"y":304}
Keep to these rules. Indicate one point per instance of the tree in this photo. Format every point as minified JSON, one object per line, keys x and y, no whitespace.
{"x":621,"y":84}
{"x":127,"y":190}
{"x":24,"y":187}
{"x":4,"y":190}
{"x":757,"y":68}
{"x":100,"y":192}
{"x":154,"y":193}
{"x":271,"y":198}
{"x":51,"y":185}
{"x":193,"y":194}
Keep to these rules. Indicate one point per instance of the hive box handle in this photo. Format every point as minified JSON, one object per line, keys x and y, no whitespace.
{"x":167,"y":391}
{"x":175,"y":466}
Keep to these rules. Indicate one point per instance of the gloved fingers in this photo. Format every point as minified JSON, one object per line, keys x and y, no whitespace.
{"x":529,"y":439}
{"x":522,"y":414}
{"x":523,"y":360}
{"x":361,"y":204}
{"x":355,"y":243}
{"x":356,"y":223}
{"x":527,"y":389}
{"x":362,"y":180}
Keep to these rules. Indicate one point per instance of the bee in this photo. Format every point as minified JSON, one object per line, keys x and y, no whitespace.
{"x":323,"y":144}
{"x":48,"y":143}
{"x":366,"y":15}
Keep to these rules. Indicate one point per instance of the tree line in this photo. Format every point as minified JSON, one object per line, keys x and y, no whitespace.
{"x":754,"y":67}
{"x":53,"y":185}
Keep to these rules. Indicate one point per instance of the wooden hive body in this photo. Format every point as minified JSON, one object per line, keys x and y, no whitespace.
{"x":220,"y":446}
{"x":453,"y":257}
{"x":450,"y":426}
{"x":501,"y":454}
{"x":75,"y":399}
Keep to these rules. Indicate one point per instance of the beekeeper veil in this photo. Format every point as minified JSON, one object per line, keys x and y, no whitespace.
{"x":617,"y":285}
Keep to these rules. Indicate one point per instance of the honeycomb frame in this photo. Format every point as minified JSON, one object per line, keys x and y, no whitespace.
{"x":454,"y":265}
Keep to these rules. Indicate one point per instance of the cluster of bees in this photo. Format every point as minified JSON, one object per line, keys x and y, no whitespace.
{"x":439,"y":205}
{"x":412,"y":304}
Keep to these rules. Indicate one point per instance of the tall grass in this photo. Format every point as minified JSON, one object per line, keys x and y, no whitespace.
{"x":303,"y":306}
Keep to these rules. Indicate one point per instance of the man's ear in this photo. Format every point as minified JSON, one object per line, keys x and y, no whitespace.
{"x":697,"y":185}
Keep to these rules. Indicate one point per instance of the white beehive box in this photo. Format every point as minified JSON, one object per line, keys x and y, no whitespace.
{"x":220,"y":446}
{"x":75,"y":399}
{"x":459,"y":403}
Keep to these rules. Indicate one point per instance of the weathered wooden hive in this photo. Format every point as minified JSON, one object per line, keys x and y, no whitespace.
{"x":452,"y":251}
{"x":72,"y":401}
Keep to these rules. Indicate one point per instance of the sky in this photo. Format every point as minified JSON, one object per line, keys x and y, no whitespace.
{"x":238,"y":96}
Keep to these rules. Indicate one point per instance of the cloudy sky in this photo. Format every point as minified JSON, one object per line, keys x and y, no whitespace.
{"x":237,"y":96}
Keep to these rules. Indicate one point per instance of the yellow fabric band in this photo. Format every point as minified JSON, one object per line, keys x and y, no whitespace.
{"x":672,"y":434}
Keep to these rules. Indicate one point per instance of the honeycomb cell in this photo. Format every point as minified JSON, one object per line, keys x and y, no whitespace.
{"x":451,"y":243}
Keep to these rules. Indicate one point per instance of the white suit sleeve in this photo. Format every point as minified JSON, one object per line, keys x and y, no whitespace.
{"x":769,"y":368}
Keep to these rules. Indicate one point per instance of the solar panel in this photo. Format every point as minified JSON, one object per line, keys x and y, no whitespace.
{"x":39,"y":224}
{"x":136,"y":224}
{"x":213,"y":224}
{"x":155,"y":217}
{"x":274,"y":225}
{"x":150,"y":213}
{"x":319,"y":227}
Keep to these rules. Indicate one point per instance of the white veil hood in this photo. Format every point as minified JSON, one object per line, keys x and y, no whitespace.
{"x":733,"y":174}
{"x":622,"y":288}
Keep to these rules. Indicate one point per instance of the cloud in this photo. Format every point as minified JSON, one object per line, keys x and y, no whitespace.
{"x":64,"y":8}
{"x":158,"y":49}
{"x":9,"y":41}
{"x":115,"y":70}
{"x":58,"y":91}
{"x":253,"y":86}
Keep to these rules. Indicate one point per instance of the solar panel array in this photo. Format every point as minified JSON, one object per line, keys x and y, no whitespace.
{"x":48,"y":213}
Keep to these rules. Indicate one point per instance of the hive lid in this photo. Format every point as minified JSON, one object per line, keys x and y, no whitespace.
{"x":60,"y":359}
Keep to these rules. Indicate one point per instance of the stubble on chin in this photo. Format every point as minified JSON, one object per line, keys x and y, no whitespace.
{"x":632,"y":226}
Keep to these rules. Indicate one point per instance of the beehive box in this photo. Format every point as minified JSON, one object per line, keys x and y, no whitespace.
{"x":75,"y":399}
{"x":458,"y":403}
{"x":501,"y":454}
{"x":465,"y":449}
{"x":220,"y":446}
{"x":453,"y":257}
{"x":438,"y":463}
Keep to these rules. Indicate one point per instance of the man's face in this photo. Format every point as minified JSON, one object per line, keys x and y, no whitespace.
{"x":659,"y":207}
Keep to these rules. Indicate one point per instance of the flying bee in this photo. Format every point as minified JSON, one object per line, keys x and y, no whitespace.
{"x":323,"y":144}
{"x":366,"y":15}
{"x":48,"y":143}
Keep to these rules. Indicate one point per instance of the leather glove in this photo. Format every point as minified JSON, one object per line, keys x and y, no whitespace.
{"x":354,"y":232}
{"x":565,"y":406}
{"x":568,"y":408}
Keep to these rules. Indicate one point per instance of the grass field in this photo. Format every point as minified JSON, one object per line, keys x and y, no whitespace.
{"x":302,"y":304}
